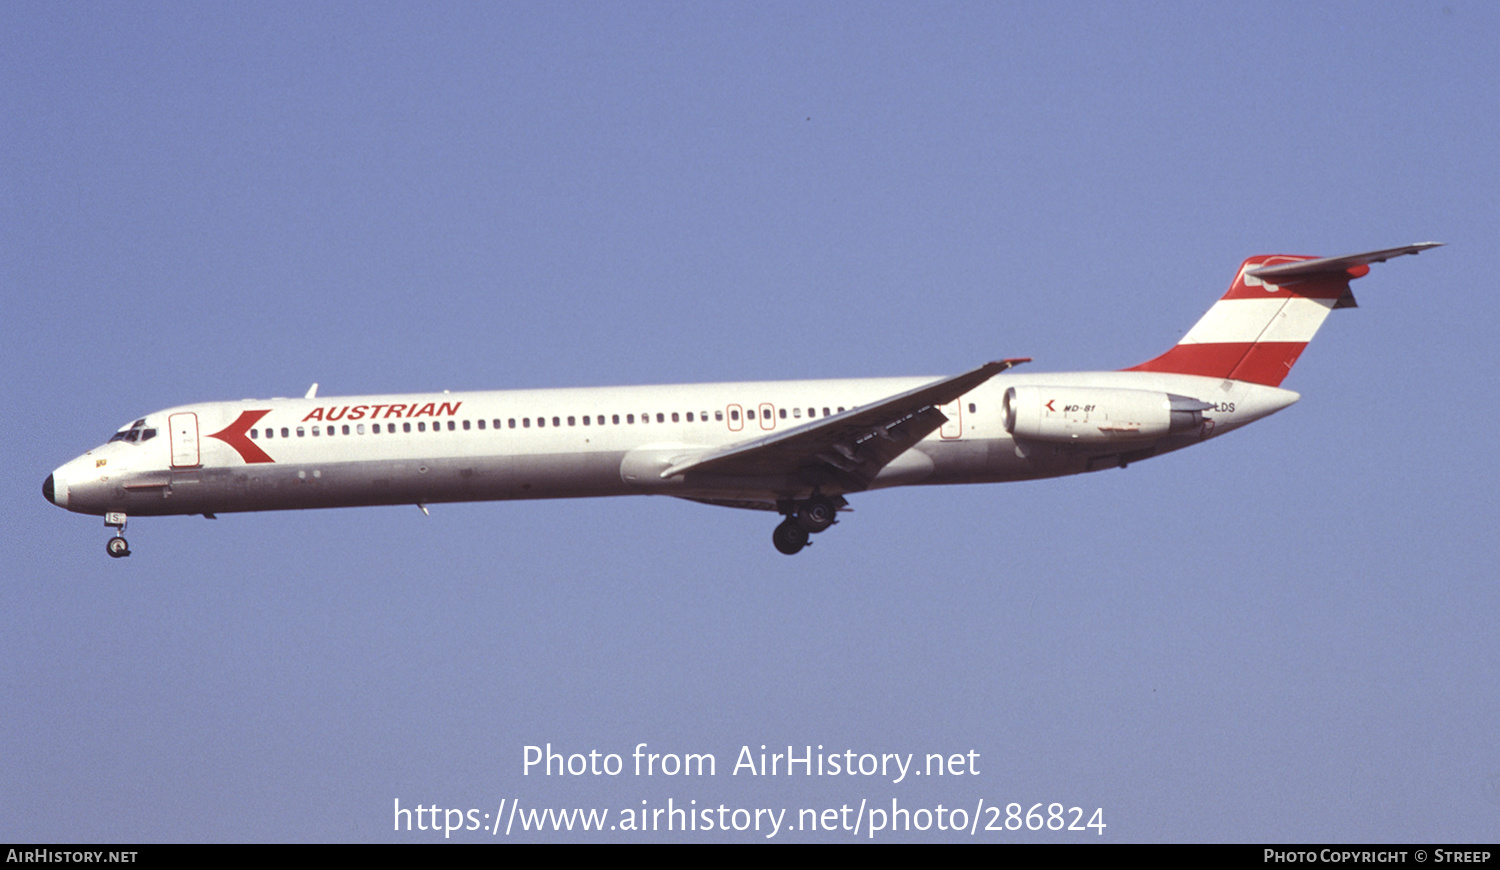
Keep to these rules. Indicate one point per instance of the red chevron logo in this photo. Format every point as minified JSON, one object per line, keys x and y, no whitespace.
{"x":234,"y":435}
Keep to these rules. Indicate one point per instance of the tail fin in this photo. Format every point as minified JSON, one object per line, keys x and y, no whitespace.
{"x":1273,"y":308}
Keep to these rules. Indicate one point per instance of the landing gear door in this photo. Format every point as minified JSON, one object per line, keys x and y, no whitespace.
{"x":954,"y":428}
{"x":184,"y":429}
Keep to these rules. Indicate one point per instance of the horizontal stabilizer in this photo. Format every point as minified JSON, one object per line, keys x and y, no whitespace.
{"x":1291,"y":273}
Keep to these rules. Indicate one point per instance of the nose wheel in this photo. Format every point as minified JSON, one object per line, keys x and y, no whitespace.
{"x":117,"y":547}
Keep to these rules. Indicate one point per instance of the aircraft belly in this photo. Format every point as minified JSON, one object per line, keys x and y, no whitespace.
{"x":997,"y":460}
{"x":376,"y":482}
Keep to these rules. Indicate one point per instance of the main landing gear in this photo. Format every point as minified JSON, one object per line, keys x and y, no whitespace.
{"x":804,"y":519}
{"x":117,"y":547}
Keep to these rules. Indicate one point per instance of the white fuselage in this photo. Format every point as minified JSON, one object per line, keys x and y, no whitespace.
{"x":793,"y":447}
{"x":523,"y":444}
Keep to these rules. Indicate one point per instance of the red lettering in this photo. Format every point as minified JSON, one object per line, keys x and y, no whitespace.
{"x":359,"y":412}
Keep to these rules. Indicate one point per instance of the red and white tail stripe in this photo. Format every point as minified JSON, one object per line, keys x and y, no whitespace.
{"x":1258,"y":330}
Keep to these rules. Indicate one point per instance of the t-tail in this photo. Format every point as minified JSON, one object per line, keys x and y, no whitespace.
{"x":1273,"y":308}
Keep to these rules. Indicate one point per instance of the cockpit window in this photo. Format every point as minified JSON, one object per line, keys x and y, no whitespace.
{"x":134,"y":433}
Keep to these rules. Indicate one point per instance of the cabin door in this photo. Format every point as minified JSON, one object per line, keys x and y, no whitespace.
{"x":184,"y":429}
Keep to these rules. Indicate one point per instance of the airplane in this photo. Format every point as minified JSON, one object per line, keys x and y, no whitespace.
{"x":796,"y":448}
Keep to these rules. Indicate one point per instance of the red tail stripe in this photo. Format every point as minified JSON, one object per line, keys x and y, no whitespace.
{"x":1264,"y":362}
{"x":1316,"y":288}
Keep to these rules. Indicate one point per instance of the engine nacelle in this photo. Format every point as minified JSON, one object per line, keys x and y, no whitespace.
{"x":1093,"y":415}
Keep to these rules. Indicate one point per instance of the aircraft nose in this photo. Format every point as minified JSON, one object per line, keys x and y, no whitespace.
{"x":49,"y":490}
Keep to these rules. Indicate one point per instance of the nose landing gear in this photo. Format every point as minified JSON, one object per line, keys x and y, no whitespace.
{"x":117,"y":547}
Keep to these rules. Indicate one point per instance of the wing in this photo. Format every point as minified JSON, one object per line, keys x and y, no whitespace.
{"x":854,"y":445}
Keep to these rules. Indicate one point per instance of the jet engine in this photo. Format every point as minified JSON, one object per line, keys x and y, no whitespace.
{"x":1093,"y":415}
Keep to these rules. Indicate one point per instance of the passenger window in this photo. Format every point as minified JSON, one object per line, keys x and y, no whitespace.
{"x":734,"y":415}
{"x":359,"y":429}
{"x":783,"y":413}
{"x":300,"y":433}
{"x":571,"y":421}
{"x":797,"y":412}
{"x":315,"y":431}
{"x":690,"y":416}
{"x":466,"y":425}
{"x":586,"y":420}
{"x":825,"y":412}
{"x":615,"y":419}
{"x":674,"y":417}
{"x":511,"y":423}
{"x":750,"y":414}
{"x":719,"y":415}
{"x":525,"y":422}
{"x":630,"y":418}
{"x":405,"y":427}
{"x":971,"y":407}
{"x":254,"y":436}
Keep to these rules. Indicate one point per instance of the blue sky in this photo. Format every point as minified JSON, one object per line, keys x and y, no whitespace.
{"x":1287,"y":634}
